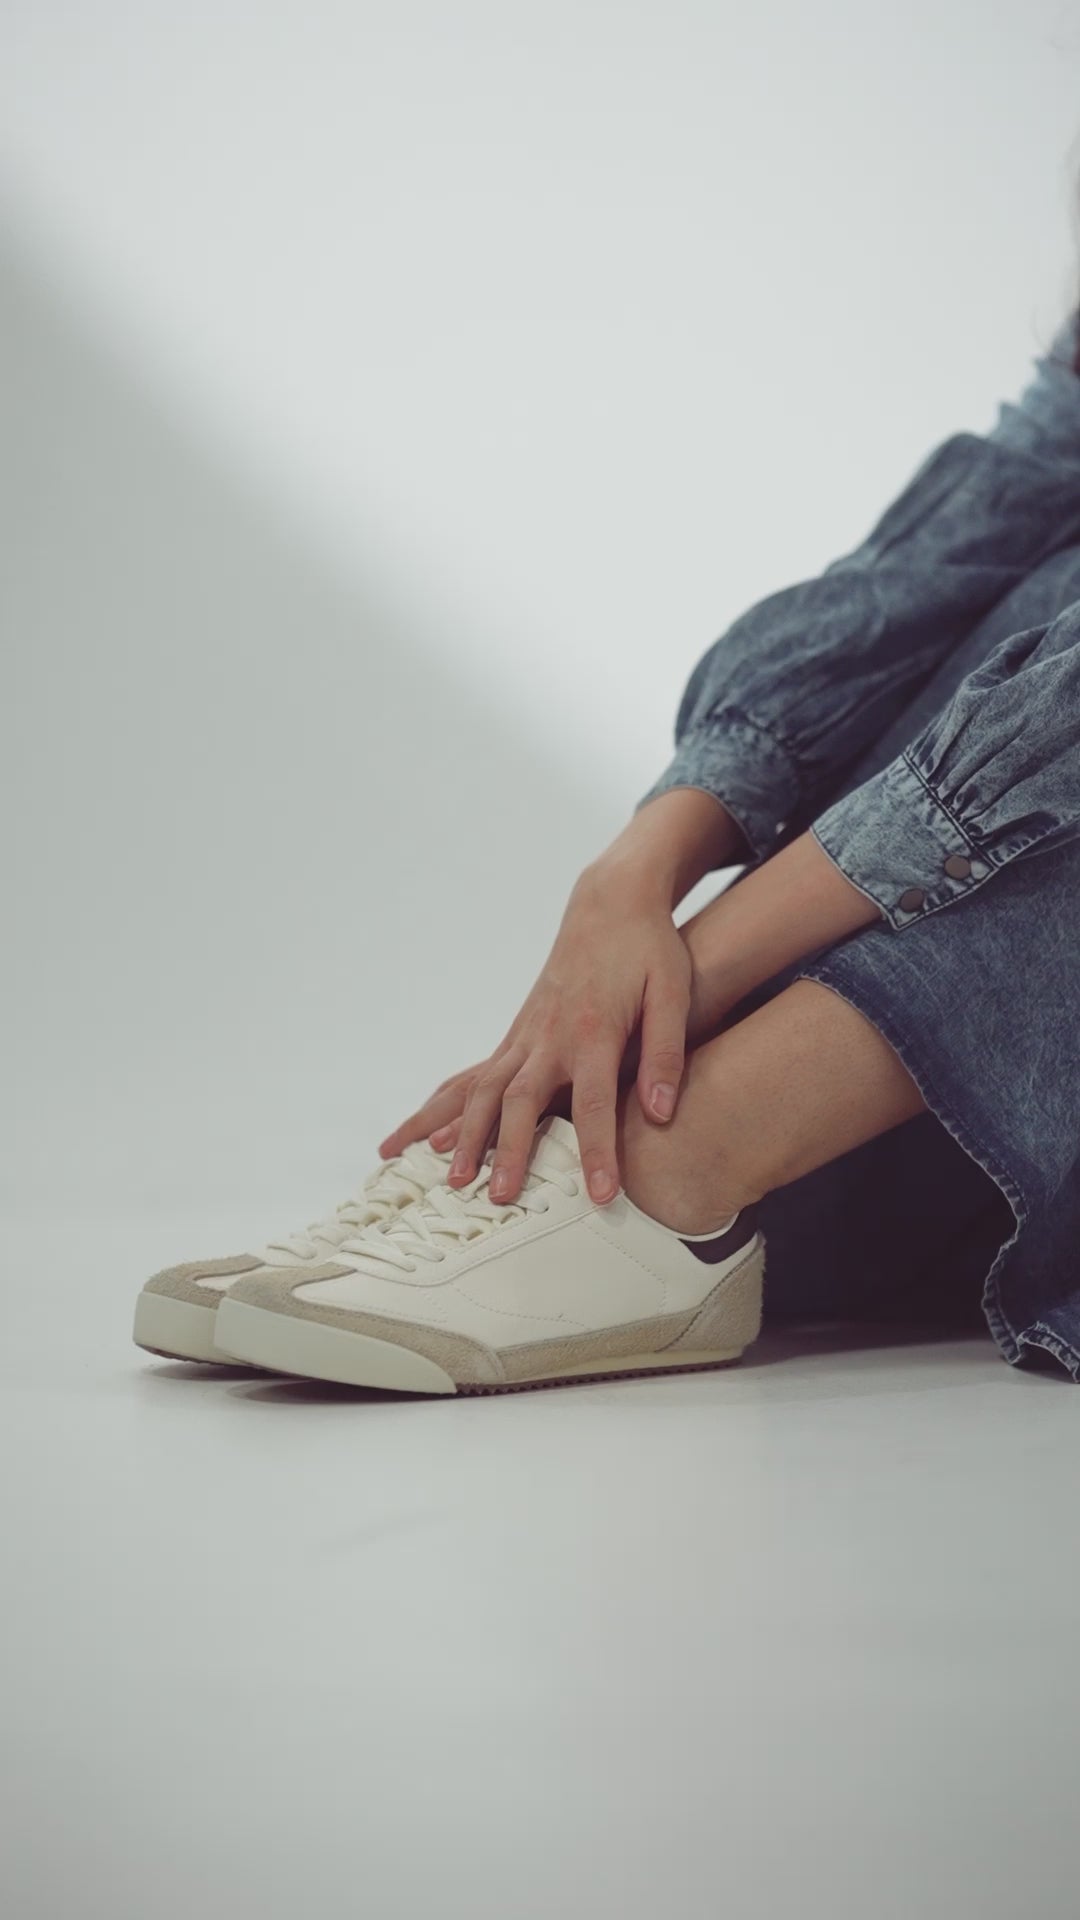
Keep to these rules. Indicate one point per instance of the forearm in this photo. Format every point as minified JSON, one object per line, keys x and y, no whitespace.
{"x":794,"y":904}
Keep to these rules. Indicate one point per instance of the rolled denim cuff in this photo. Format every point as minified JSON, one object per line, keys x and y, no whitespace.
{"x":896,"y":840}
{"x":742,"y":765}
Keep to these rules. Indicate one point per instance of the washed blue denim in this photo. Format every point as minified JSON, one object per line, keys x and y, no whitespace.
{"x":917,"y":707}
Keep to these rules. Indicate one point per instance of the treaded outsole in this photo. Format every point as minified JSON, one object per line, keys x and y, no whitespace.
{"x":187,"y":1359}
{"x":471,"y":1389}
{"x":477,"y":1387}
{"x":229,"y":1363}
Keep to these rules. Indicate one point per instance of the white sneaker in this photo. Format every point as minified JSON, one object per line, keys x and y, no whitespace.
{"x":176,"y":1312}
{"x":458,"y":1294}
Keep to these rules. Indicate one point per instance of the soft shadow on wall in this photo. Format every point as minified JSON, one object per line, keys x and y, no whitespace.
{"x":279,"y":864}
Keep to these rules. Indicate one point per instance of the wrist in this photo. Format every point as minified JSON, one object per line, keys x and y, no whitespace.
{"x":792,"y":905}
{"x":669,"y":844}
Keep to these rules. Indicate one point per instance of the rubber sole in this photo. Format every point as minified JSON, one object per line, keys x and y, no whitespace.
{"x":178,"y":1330}
{"x":284,"y":1343}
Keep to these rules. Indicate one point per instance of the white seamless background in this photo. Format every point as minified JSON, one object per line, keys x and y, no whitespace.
{"x":400,"y":397}
{"x":397,"y":398}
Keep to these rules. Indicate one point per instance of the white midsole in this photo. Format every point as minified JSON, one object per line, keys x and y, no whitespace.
{"x":178,"y":1327}
{"x":287,"y":1344}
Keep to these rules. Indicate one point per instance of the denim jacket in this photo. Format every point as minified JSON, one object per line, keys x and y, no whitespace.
{"x":796,"y":690}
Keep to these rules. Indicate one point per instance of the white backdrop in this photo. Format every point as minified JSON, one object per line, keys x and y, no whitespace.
{"x":397,"y":398}
{"x":401,"y":396}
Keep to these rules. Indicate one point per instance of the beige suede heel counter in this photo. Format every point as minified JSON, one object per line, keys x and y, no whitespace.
{"x":731,"y":1316}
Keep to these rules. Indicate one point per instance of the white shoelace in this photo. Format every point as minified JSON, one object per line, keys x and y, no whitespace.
{"x":386,"y":1192}
{"x":446,"y":1219}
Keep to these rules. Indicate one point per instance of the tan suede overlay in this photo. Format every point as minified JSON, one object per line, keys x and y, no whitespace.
{"x":727,"y":1321}
{"x":276,"y":1289}
{"x":181,"y":1282}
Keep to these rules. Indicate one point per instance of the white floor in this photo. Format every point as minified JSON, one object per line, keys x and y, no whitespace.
{"x":797,"y":1638}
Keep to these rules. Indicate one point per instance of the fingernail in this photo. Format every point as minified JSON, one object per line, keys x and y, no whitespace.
{"x":440,"y":1138}
{"x":499,"y":1183}
{"x":662,"y":1101}
{"x":601,"y":1186}
{"x":459,"y":1166}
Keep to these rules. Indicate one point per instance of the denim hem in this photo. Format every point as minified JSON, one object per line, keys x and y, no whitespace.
{"x":830,"y":972}
{"x":1040,"y":1335}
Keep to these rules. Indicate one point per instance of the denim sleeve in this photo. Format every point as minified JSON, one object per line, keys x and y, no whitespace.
{"x":995,"y":775}
{"x":790,"y":696}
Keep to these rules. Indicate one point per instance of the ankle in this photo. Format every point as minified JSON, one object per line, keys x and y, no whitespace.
{"x":688,"y":1215}
{"x":676,"y":1183}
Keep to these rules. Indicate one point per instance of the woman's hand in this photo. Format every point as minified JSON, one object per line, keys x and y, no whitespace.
{"x":619,"y":967}
{"x":617,"y":961}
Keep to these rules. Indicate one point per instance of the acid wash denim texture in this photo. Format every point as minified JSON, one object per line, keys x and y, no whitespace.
{"x":917,"y":707}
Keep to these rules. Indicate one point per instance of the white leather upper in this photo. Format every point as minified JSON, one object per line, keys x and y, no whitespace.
{"x":569,"y":1268}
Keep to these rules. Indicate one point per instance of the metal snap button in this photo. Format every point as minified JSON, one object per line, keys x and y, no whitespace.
{"x":958,"y":866}
{"x":912,"y":900}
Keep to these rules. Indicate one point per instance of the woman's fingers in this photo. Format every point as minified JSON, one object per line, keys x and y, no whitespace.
{"x":596,"y":1083}
{"x":480,"y":1114}
{"x":436,"y":1112}
{"x":442,"y":1108}
{"x":663,"y":1048}
{"x":523,"y":1102}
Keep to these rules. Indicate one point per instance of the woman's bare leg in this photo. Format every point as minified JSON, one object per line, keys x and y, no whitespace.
{"x":797,"y":1083}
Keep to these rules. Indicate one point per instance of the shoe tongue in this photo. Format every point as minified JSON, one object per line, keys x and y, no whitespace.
{"x":555,"y":1147}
